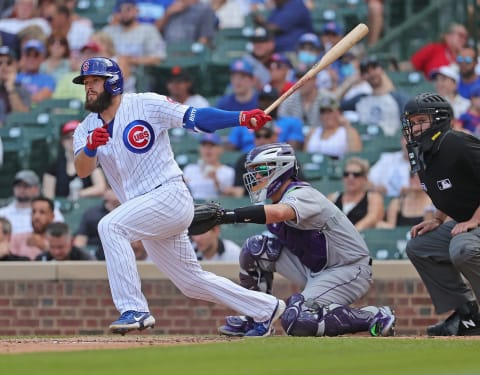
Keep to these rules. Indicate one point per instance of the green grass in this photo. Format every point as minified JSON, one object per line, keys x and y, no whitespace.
{"x":275,"y":355}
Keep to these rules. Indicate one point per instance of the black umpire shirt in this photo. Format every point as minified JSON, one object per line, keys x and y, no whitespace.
{"x":452,"y":174}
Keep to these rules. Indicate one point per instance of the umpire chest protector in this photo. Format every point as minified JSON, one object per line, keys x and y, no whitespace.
{"x":451,"y":175}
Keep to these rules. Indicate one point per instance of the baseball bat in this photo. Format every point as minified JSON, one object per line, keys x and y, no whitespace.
{"x":334,"y":53}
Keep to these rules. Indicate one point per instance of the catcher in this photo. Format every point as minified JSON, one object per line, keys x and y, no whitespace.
{"x":313,"y":244}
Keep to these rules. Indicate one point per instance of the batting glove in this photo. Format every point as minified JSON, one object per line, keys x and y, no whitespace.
{"x":98,"y":137}
{"x":254,"y":119}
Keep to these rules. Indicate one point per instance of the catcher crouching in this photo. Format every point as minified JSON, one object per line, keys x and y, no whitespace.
{"x":312,"y":243}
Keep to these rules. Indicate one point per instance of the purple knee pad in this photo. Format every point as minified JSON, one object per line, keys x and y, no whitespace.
{"x":303,"y":318}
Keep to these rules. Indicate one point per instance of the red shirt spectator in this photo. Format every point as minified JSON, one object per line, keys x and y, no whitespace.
{"x":437,"y":54}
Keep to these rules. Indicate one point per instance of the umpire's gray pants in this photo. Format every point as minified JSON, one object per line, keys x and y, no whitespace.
{"x":441,"y":260}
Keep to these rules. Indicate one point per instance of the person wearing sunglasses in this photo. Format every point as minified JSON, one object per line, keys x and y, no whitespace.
{"x":363,"y":207}
{"x":312,"y":243}
{"x":13,"y":96}
{"x":467,"y":62}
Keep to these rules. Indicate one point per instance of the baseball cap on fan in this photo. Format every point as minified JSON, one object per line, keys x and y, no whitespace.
{"x":92,"y":46}
{"x":26,"y":176}
{"x":34,"y":44}
{"x":70,"y":126}
{"x":447,"y":71}
{"x":241,"y":66}
{"x":178,"y":74}
{"x":332,"y":27}
{"x":211,"y":138}
{"x":261,"y":34}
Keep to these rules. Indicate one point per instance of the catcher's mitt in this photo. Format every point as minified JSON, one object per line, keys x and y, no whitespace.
{"x":206,"y":216}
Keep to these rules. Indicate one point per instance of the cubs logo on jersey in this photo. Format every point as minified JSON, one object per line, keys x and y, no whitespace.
{"x":138,"y":136}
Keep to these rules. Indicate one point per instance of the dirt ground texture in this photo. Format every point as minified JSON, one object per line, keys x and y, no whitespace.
{"x":30,"y":345}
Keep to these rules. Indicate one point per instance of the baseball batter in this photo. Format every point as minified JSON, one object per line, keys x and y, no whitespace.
{"x":127,"y":135}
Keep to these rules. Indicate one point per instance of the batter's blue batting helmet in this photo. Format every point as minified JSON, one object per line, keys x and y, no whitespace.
{"x":103,"y":67}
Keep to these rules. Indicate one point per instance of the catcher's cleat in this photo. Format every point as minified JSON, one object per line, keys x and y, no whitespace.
{"x":383,"y":323}
{"x":262,"y":329}
{"x":131,"y":320}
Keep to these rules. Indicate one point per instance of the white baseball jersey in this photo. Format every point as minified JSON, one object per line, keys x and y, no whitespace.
{"x":138,"y":157}
{"x":156,"y":208}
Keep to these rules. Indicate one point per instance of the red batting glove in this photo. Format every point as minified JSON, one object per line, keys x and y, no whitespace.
{"x":98,"y":137}
{"x":254,"y":119}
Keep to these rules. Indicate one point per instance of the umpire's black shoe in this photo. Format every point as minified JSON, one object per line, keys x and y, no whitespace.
{"x":460,"y":323}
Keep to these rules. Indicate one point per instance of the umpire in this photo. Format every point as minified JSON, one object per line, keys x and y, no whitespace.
{"x":447,"y":248}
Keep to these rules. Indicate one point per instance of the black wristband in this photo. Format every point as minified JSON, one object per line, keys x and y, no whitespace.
{"x":250,"y":214}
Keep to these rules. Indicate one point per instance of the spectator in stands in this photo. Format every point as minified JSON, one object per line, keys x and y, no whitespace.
{"x":244,"y":96}
{"x":308,"y":51}
{"x":303,"y":103}
{"x":383,"y":106}
{"x":5,"y":238}
{"x":263,"y":46}
{"x":10,"y":40}
{"x":76,"y":18}
{"x":208,"y":178}
{"x":138,"y":43}
{"x":149,"y":11}
{"x":331,"y":34}
{"x":64,"y":88}
{"x":279,"y":66}
{"x":57,"y":61}
{"x":364,"y":208}
{"x":288,"y":20}
{"x":87,"y":232}
{"x":334,"y":136}
{"x":467,"y":62}
{"x":375,"y":20}
{"x":230,"y":13}
{"x":390,"y":174}
{"x":188,"y":21}
{"x":32,"y":243}
{"x":410,"y":208}
{"x":60,"y":246}
{"x":39,"y":85}
{"x":446,"y":80}
{"x":434,"y":55}
{"x":57,"y":180}
{"x":1,"y":152}
{"x":6,"y":8}
{"x":290,"y":129}
{"x":470,"y":120}
{"x":211,"y":247}
{"x":13,"y":96}
{"x":181,"y":88}
{"x":63,"y":25}
{"x":25,"y":15}
{"x":26,"y":187}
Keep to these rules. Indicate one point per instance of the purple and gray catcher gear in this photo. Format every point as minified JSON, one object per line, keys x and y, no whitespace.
{"x":306,"y":318}
{"x":102,"y":67}
{"x":257,"y":262}
{"x":268,"y":166}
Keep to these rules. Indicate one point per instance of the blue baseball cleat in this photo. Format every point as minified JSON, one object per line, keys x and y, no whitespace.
{"x":262,"y":329}
{"x":131,"y":320}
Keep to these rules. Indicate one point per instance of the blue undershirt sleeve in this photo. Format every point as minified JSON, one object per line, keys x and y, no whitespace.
{"x":210,"y":119}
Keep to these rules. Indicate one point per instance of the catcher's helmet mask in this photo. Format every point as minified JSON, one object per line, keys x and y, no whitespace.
{"x":102,"y":67}
{"x":268,"y":167}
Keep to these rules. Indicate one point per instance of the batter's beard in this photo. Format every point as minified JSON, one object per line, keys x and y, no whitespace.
{"x":103,"y":101}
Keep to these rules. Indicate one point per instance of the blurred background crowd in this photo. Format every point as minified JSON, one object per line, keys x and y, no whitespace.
{"x":234,"y":55}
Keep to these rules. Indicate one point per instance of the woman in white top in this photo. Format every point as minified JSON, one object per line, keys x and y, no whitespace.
{"x":335,"y":137}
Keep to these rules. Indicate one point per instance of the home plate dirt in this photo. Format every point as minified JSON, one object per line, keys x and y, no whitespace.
{"x":29,"y":345}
